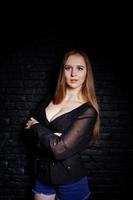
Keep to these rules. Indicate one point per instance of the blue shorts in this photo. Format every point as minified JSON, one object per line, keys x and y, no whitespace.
{"x":75,"y":191}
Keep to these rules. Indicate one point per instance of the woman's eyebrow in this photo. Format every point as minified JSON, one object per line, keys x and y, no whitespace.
{"x":75,"y":65}
{"x":80,"y":66}
{"x":68,"y":66}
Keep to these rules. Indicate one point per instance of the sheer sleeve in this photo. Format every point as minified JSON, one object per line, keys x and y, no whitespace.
{"x":73,"y":140}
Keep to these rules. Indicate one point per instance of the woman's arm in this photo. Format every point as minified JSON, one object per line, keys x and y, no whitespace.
{"x":74,"y":139}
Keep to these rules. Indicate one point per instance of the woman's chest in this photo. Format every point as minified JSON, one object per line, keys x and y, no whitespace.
{"x":54,"y":111}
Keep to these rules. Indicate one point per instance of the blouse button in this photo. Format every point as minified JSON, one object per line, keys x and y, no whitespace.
{"x":68,"y":167}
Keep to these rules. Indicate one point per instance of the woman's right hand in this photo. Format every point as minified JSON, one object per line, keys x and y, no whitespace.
{"x":31,"y":122}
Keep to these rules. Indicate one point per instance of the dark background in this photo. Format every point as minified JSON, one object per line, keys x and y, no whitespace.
{"x":30,"y":55}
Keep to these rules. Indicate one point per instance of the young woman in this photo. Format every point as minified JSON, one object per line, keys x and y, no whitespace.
{"x":63,"y":129}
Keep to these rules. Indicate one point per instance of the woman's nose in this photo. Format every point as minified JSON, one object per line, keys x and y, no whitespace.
{"x":73,"y":72}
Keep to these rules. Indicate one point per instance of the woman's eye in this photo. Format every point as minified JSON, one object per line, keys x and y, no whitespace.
{"x":67,"y":68}
{"x":80,"y":68}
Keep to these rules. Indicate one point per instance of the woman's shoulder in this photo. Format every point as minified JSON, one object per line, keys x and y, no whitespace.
{"x":43,"y":103}
{"x":89,"y":109}
{"x":47,"y":99}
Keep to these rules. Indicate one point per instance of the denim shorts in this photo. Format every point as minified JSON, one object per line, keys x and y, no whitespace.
{"x":78,"y":190}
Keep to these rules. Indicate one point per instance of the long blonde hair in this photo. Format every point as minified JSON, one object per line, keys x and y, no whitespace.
{"x":88,"y":90}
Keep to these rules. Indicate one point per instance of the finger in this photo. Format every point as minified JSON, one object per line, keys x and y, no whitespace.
{"x":32,"y":118}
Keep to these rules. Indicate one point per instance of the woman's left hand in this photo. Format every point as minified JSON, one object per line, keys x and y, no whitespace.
{"x":31,"y":122}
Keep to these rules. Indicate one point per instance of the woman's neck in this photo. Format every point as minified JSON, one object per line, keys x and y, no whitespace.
{"x":73,"y":94}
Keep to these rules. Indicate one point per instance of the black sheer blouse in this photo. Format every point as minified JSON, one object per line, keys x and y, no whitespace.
{"x":75,"y":128}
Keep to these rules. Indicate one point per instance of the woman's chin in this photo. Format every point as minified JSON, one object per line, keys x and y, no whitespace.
{"x":73,"y":86}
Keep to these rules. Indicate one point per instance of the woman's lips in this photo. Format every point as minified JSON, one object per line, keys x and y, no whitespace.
{"x":73,"y":80}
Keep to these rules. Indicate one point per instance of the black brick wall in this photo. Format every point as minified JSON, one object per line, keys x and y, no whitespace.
{"x":28,"y":70}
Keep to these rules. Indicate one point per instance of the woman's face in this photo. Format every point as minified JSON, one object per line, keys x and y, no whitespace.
{"x":75,"y":71}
